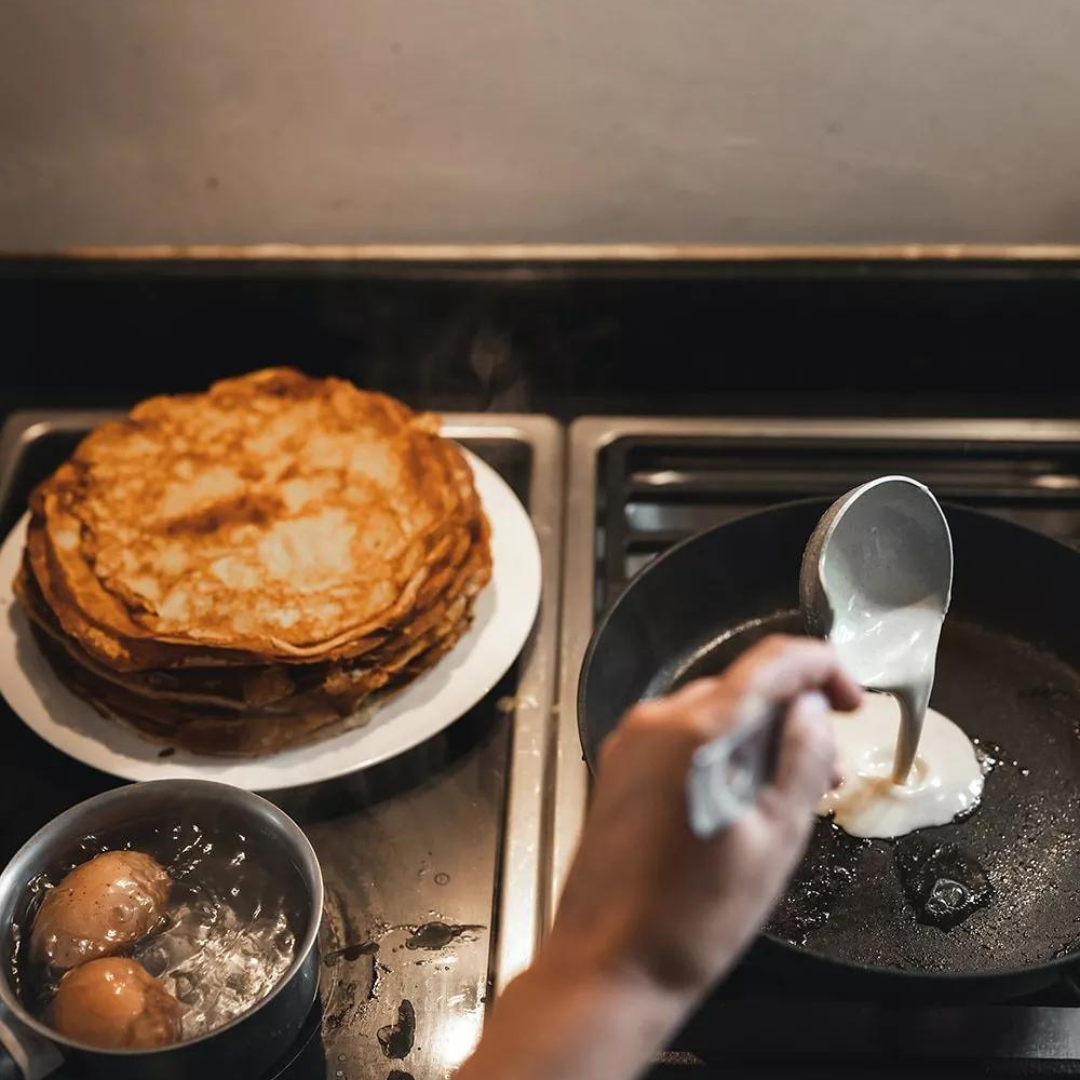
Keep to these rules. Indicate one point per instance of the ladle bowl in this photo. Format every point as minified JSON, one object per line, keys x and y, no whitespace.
{"x":886,"y":541}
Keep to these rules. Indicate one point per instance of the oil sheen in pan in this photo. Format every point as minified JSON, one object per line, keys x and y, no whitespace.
{"x":1021,"y":706}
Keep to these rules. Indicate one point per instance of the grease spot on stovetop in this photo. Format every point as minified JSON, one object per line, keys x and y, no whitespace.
{"x":351,"y":952}
{"x":433,"y":936}
{"x":396,"y":1040}
{"x":334,"y":1020}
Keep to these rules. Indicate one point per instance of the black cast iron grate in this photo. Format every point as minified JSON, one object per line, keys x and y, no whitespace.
{"x":655,"y":491}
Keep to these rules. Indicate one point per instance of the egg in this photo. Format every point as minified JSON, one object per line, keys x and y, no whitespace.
{"x":99,"y":908}
{"x":115,"y":1003}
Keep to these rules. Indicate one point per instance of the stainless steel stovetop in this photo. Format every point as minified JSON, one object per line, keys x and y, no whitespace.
{"x":445,"y":865}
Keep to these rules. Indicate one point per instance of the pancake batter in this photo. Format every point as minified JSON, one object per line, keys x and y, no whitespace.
{"x":945,"y":781}
{"x":888,"y":578}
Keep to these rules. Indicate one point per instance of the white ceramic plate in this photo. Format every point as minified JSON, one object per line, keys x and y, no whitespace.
{"x":504,"y":615}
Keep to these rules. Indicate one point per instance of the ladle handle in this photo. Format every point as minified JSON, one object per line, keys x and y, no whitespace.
{"x":727,"y":773}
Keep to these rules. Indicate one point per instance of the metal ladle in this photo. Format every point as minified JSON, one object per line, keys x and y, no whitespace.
{"x":882,"y":547}
{"x":885,"y":543}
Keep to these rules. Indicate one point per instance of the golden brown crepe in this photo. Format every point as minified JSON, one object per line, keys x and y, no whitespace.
{"x":256,"y":566}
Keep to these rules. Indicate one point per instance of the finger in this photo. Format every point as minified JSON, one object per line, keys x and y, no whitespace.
{"x":700,"y":695}
{"x":806,"y":764}
{"x":843,"y":692}
{"x":774,"y":670}
{"x":701,"y":708}
{"x":782,"y":667}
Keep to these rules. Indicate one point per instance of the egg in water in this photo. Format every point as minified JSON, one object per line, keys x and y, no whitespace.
{"x":114,"y":1002}
{"x":100,"y":908}
{"x":944,"y":783}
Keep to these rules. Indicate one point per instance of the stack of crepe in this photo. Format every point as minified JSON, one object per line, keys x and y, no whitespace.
{"x":257,"y":566}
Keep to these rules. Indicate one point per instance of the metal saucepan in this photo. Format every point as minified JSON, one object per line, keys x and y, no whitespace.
{"x":241,"y":1050}
{"x":1008,"y":673}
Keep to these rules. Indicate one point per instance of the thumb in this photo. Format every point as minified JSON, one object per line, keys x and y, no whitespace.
{"x":806,"y":764}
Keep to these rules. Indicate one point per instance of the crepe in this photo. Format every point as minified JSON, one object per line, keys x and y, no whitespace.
{"x":256,"y":566}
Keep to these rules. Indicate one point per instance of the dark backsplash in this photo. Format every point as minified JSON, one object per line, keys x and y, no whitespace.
{"x":825,"y":338}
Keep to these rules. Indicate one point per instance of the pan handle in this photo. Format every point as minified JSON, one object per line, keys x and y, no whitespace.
{"x":727,"y":773}
{"x":24,"y":1054}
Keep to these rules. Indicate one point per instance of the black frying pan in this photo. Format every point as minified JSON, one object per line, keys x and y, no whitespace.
{"x":1008,"y":673}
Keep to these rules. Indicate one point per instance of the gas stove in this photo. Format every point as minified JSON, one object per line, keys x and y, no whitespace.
{"x":637,"y":486}
{"x":444,"y":866}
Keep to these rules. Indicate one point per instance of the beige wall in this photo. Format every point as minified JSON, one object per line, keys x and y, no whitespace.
{"x":238,"y":121}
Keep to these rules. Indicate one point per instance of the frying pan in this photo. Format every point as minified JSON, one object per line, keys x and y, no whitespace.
{"x":1008,"y":673}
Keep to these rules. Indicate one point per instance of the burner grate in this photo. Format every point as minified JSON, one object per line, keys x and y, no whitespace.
{"x":657,"y":491}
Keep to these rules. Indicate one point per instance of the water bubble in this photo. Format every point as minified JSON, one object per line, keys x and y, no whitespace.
{"x":217,"y":963}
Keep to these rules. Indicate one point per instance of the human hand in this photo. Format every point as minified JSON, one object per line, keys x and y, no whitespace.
{"x":647,"y":901}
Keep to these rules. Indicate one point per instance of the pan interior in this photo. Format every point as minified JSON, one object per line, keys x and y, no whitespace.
{"x":1022,"y":705}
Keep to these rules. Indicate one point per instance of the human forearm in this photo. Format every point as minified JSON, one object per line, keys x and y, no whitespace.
{"x":569,"y":1019}
{"x":652,"y":915}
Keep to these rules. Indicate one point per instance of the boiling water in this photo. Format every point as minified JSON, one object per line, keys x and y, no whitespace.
{"x":230,"y":929}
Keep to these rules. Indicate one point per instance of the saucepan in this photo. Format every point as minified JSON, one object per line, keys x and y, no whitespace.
{"x":1008,"y":673}
{"x":241,"y":1049}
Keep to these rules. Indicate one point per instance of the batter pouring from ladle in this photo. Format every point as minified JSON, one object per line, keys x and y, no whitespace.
{"x":876,"y":581}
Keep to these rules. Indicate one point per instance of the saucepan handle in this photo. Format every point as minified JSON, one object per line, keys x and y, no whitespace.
{"x":727,"y":773}
{"x":24,"y":1054}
